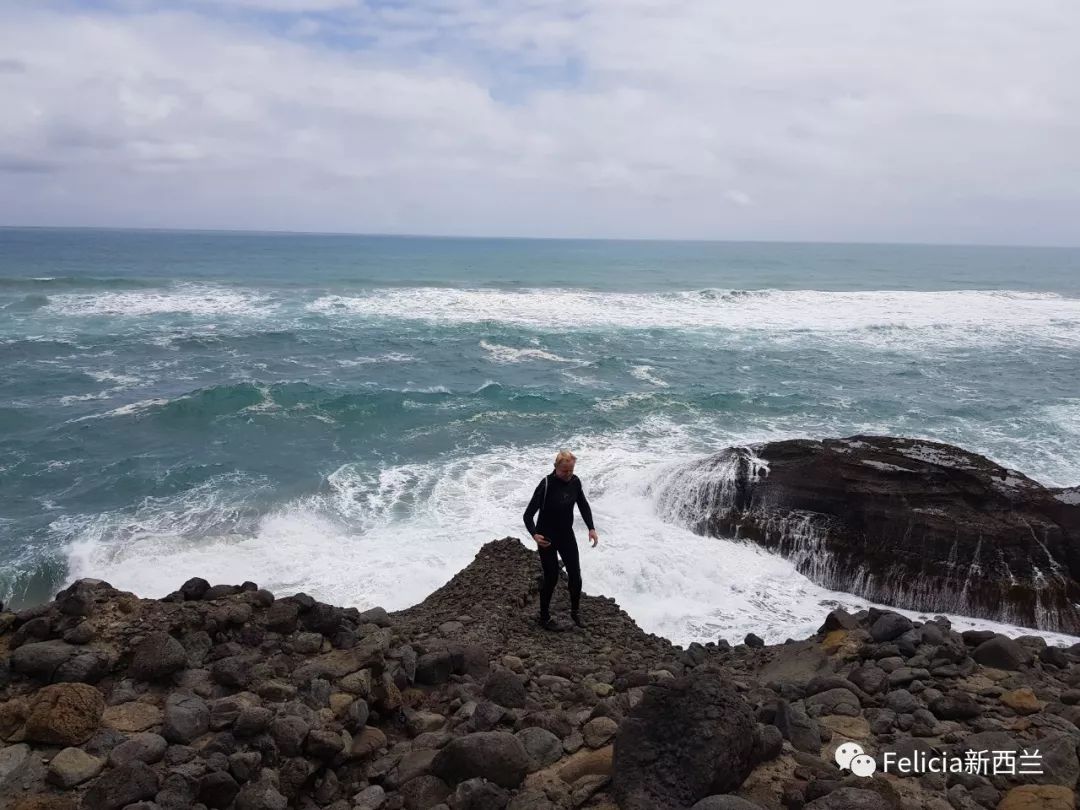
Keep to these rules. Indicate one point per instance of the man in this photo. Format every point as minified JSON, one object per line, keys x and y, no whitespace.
{"x":554,"y":499}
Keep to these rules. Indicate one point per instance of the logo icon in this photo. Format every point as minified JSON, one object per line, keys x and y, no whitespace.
{"x":850,"y":756}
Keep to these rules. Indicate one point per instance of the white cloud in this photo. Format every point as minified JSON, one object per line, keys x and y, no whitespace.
{"x":837,"y":120}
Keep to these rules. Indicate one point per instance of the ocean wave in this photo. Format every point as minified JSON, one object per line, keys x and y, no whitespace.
{"x":508,"y":354}
{"x":389,"y":357}
{"x":965,"y":315}
{"x":202,"y":300}
{"x":249,"y":399}
{"x":28,"y":303}
{"x":645,"y":373}
{"x":389,"y":534}
{"x":74,"y":282}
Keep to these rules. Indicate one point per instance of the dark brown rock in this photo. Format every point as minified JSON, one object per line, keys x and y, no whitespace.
{"x":1002,"y":652}
{"x":157,"y":656}
{"x":121,"y":786}
{"x":64,"y":714}
{"x":496,"y":756}
{"x":194,"y":589}
{"x":689,"y":738}
{"x":889,"y":518}
{"x":217,"y":789}
{"x":187,"y":717}
{"x":506,"y":689}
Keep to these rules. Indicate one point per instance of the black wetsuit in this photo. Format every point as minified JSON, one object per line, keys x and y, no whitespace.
{"x":556,"y":524}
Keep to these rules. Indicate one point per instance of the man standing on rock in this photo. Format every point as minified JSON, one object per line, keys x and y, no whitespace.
{"x":553,"y":532}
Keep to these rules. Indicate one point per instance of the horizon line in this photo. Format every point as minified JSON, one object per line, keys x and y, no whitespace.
{"x":520,"y":238}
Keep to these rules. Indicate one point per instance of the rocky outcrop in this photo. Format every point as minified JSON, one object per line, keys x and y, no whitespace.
{"x":904,"y":522}
{"x":463,"y":703}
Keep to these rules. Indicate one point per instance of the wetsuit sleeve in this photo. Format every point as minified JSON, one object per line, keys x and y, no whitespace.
{"x":533,"y":508}
{"x":583,"y":506}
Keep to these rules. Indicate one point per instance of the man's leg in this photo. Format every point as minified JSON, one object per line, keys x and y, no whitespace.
{"x":568,"y":550}
{"x":549,"y":561}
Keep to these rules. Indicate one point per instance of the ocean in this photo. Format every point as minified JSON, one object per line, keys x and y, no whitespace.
{"x":354,"y":416}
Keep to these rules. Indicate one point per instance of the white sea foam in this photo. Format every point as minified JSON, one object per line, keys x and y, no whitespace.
{"x":121,"y":380}
{"x":390,"y":535}
{"x":882,"y":317}
{"x":647,"y":374}
{"x":623,"y":400}
{"x":191,"y":299}
{"x":125,"y":410}
{"x":389,"y":357}
{"x":509,"y":354}
{"x":1065,"y":415}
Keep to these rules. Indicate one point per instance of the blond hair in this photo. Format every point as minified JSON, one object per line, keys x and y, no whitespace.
{"x":564,"y":455}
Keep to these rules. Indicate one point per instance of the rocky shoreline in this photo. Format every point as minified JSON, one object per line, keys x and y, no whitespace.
{"x":222,"y":696}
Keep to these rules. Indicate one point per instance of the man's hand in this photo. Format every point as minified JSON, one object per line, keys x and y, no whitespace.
{"x":593,"y":536}
{"x":541,"y":540}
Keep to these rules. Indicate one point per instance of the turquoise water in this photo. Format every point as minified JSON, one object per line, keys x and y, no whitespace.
{"x":352,"y":416}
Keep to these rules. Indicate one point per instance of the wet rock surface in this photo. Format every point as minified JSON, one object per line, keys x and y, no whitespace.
{"x":905,"y":522}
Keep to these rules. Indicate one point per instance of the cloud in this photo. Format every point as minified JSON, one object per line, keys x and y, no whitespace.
{"x":841,"y":120}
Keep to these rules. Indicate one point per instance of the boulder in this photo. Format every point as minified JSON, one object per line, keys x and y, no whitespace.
{"x":58,"y":661}
{"x":424,"y":792}
{"x":599,"y":731}
{"x":289,"y":733}
{"x":261,"y":795}
{"x":797,"y":728}
{"x":217,"y":789}
{"x":1001,"y":652}
{"x":506,"y":689}
{"x":194,"y":589}
{"x":157,"y":656}
{"x":870,"y":678}
{"x":688,"y":738}
{"x":144,"y":747}
{"x":543,"y":747}
{"x":370,"y":798}
{"x":132,"y":716}
{"x":367,"y":743}
{"x":220,"y":592}
{"x":376,"y":615}
{"x":888,"y":518}
{"x":955,"y":706}
{"x":834,"y":701}
{"x":434,"y":668}
{"x":187,"y":717}
{"x":838,"y":619}
{"x":121,"y":786}
{"x":478,"y":794}
{"x":72,"y":766}
{"x":1022,"y":701}
{"x":497,"y":756}
{"x":1038,"y":797}
{"x":889,"y":626}
{"x":252,"y":720}
{"x":64,"y":714}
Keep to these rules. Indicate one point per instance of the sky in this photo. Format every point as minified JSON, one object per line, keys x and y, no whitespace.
{"x":954,"y":121}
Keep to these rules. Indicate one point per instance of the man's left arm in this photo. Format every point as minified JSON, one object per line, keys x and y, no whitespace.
{"x":586,"y":512}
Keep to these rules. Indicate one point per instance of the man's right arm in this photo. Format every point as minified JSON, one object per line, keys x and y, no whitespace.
{"x":533,"y":508}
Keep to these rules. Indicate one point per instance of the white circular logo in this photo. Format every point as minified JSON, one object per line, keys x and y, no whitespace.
{"x":863,"y":765}
{"x":847,"y":752}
